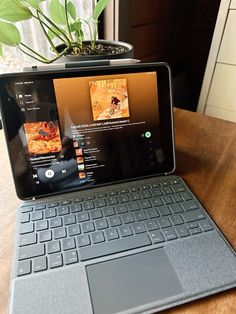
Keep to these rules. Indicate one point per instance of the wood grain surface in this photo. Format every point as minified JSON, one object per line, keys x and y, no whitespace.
{"x":206,"y":160}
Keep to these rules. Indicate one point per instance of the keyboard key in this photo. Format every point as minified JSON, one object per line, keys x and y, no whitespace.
{"x":125,"y":231}
{"x":178,"y":188}
{"x":156,"y":192}
{"x":175,"y":181}
{"x":193,"y":215}
{"x":31,"y":251}
{"x":124,"y":191}
{"x":28,"y":238}
{"x":89,"y":197}
{"x":140,"y":215}
{"x":134,"y":189}
{"x":73,"y":230}
{"x":97,"y":237}
{"x":111,"y":234}
{"x":135,"y":196}
{"x":205,"y":225}
{"x":176,"y":220}
{"x":169,"y":234}
{"x":181,"y":231}
{"x":41,"y":225}
{"x":36,"y":216}
{"x":75,"y":208}
{"x":100,"y":203}
{"x":127,"y":218}
{"x":186,"y":196}
{"x":66,"y":202}
{"x":87,"y":226}
{"x":26,"y":209}
{"x":156,"y":237}
{"x":121,"y":208}
{"x":68,"y":244}
{"x":138,"y":227}
{"x":111,"y":193}
{"x":145,"y":187}
{"x":59,"y":233}
{"x":55,"y":260}
{"x":63,"y":210}
{"x":176,"y":208}
{"x":53,"y":247}
{"x":133,"y":206}
{"x":193,"y":224}
{"x":152,"y":213}
{"x":70,"y":257}
{"x":88,"y":205}
{"x":51,"y":205}
{"x":145,"y":204}
{"x":26,"y":228}
{"x":101,"y":195}
{"x":49,"y":213}
{"x":96,"y":213}
{"x":45,"y":236}
{"x":114,"y":246}
{"x":146,"y":194}
{"x":156,"y":202}
{"x":188,"y":205}
{"x":39,"y":207}
{"x":164,"y":222}
{"x":55,"y":222}
{"x":124,"y":198}
{"x":81,"y":217}
{"x":101,"y":224}
{"x":167,"y":190}
{"x":164,"y":210}
{"x":69,"y":219}
{"x":176,"y":198}
{"x":167,"y":200}
{"x":195,"y":230}
{"x":25,"y":217}
{"x":40,"y":264}
{"x":83,"y":240}
{"x":151,"y":225}
{"x":23,"y":268}
{"x":78,"y":200}
{"x":114,"y":221}
{"x":112,"y":200}
{"x":108,"y":211}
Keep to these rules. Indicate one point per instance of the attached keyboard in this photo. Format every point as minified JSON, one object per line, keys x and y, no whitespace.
{"x":72,"y":230}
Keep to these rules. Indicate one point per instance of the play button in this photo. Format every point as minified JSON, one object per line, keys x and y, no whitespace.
{"x":49,"y":173}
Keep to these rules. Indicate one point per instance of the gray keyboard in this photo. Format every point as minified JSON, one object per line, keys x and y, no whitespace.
{"x":74,"y":230}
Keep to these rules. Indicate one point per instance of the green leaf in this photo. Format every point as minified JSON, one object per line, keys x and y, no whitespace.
{"x":9,"y":34}
{"x":57,"y":12}
{"x":71,"y":10}
{"x":34,"y":3}
{"x":1,"y":52}
{"x":100,"y":6}
{"x":14,"y":11}
{"x":76,"y":26}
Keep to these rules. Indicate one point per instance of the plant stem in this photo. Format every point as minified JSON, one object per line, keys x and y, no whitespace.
{"x":68,"y":42}
{"x":41,"y":58}
{"x":49,"y":28}
{"x":28,"y":54}
{"x":67,"y":21}
{"x":34,"y":52}
{"x":48,"y":38}
{"x":90,"y":30}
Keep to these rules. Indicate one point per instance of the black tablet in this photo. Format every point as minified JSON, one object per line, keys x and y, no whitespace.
{"x":80,"y":128}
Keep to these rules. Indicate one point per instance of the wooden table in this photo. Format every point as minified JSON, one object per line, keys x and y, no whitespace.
{"x":206,"y":159}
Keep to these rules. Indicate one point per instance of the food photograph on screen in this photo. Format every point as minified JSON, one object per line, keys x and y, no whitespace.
{"x":43,"y":137}
{"x":109,"y":99}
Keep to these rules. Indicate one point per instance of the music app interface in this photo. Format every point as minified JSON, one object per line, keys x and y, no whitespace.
{"x":83,"y":131}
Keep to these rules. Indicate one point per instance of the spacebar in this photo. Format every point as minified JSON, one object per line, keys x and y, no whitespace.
{"x":113,"y":246}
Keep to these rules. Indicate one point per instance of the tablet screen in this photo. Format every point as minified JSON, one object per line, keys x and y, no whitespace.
{"x":80,"y":129}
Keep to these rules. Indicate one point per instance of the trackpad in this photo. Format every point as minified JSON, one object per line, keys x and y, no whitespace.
{"x":131,"y":281}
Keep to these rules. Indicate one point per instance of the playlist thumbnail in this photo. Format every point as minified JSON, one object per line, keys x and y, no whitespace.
{"x":43,"y":137}
{"x":82,"y":175}
{"x":80,"y":160}
{"x":79,"y":152}
{"x":109,"y":99}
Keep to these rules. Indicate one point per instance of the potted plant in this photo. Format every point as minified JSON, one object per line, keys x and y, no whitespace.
{"x":61,"y":25}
